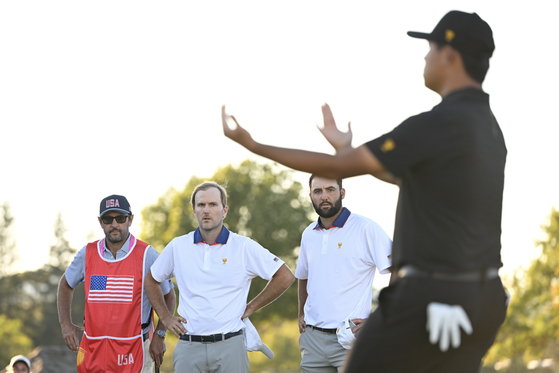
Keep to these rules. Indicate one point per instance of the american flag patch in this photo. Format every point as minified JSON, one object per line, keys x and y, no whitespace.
{"x":111,"y":289}
{"x":276,"y":259}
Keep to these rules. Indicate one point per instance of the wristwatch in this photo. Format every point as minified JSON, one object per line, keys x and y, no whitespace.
{"x":161,"y":333}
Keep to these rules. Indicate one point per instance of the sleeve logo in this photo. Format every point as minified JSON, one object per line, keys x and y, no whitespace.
{"x":388,"y":145}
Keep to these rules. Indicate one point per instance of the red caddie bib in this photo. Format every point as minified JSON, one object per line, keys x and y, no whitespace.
{"x":112,"y":340}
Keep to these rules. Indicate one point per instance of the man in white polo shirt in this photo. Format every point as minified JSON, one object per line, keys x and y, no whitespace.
{"x":213,"y":268}
{"x":336,"y":266}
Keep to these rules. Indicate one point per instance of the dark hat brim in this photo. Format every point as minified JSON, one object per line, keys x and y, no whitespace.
{"x":116,"y":209}
{"x":420,"y":35}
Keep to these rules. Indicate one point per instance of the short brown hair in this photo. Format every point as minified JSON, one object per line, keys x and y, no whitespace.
{"x":205,"y":186}
{"x":339,"y":181}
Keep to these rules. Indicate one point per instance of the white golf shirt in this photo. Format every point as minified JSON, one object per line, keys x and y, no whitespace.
{"x":339,"y":265}
{"x":214,"y":280}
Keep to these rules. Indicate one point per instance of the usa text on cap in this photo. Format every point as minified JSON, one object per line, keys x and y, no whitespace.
{"x":114,"y":202}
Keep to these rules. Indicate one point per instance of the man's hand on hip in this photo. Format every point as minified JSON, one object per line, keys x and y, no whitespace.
{"x":302,"y":323}
{"x":358,"y":325}
{"x":444,"y":322}
{"x":174,"y":324}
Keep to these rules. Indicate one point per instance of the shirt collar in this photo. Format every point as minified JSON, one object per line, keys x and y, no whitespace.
{"x":221,"y":239}
{"x":340,"y":220}
{"x":461,"y":94}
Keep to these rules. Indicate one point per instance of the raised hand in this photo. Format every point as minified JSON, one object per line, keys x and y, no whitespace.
{"x":238,"y":134}
{"x":338,"y":139}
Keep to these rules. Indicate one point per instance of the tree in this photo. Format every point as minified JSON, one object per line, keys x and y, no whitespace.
{"x":7,"y":256}
{"x":60,"y":253}
{"x":32,"y":294}
{"x":12,"y":340}
{"x":265,"y":203}
{"x":8,"y":253}
{"x":532,"y":324}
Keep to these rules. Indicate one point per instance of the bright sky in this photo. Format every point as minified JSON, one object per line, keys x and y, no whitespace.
{"x":124,"y":97}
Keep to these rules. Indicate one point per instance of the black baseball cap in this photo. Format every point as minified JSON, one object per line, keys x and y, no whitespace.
{"x":114,"y":203}
{"x":465,"y":32}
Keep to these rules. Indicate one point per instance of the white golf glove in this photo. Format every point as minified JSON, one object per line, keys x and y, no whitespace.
{"x":444,"y":322}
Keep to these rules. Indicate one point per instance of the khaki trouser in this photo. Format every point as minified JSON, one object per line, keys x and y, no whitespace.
{"x":229,"y":356}
{"x":148,"y":361}
{"x":321,"y":352}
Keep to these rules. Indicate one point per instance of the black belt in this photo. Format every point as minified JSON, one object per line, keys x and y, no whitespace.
{"x":478,"y":275}
{"x":329,"y":331}
{"x":145,"y":336}
{"x":209,"y":338}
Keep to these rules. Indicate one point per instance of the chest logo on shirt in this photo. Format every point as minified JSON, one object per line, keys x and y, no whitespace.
{"x":224,"y":260}
{"x":388,"y":145}
{"x":340,"y":245}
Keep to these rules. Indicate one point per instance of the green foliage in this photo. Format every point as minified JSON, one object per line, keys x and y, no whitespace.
{"x":8,"y":253}
{"x":532,"y":323}
{"x":171,"y":342}
{"x":61,"y":253}
{"x":283,"y":339}
{"x":265,"y":203}
{"x":12,"y":340}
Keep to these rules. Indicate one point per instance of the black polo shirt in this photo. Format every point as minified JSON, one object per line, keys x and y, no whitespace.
{"x":451,"y":163}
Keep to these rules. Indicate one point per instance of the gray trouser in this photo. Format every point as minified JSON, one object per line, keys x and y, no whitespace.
{"x":229,"y":356}
{"x":321,"y":352}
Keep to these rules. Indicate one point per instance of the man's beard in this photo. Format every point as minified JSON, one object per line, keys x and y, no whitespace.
{"x":333,"y":210}
{"x":117,"y":239}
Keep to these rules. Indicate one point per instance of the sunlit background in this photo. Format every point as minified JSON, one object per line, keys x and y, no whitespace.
{"x":124,"y":97}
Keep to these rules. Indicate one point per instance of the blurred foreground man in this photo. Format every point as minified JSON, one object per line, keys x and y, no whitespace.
{"x":117,"y":311}
{"x":213,"y":268}
{"x":444,"y":310}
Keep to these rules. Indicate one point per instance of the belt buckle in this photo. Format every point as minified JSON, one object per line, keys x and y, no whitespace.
{"x":210,"y":339}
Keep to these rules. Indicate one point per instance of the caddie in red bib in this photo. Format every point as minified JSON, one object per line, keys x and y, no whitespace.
{"x":118,"y":331}
{"x":113,"y":292}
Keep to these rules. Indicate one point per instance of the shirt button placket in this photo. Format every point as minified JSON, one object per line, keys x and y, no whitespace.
{"x":207,"y":258}
{"x":325,"y":242}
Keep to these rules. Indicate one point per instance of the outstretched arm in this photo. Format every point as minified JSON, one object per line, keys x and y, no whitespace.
{"x":281,"y":280}
{"x":347,"y":162}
